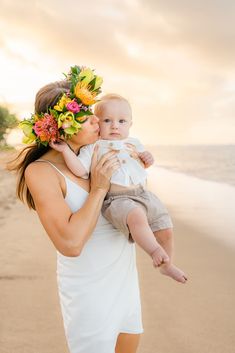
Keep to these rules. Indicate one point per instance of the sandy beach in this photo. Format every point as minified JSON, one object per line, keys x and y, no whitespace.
{"x":192,"y":318}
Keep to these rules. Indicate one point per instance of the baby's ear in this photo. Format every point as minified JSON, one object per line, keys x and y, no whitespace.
{"x":131,"y":123}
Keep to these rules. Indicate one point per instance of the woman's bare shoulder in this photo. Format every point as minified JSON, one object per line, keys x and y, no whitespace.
{"x":36,"y":167}
{"x":40,"y":172}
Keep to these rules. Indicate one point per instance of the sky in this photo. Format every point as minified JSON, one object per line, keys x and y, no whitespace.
{"x":172,"y":59}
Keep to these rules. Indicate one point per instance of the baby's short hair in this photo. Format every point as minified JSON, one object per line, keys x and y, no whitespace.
{"x":105,"y":99}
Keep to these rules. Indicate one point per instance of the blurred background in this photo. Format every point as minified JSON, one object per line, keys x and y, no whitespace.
{"x":174,"y":61}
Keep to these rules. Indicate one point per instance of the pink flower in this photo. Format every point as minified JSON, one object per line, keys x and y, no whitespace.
{"x":73,"y":107}
{"x":46,"y":128}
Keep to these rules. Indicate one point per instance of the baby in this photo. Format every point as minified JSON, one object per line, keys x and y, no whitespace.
{"x":128,"y":205}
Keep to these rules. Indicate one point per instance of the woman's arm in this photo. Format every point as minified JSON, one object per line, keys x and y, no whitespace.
{"x":69,"y":231}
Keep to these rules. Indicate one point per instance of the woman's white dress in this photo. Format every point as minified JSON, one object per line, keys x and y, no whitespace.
{"x":98,"y":290}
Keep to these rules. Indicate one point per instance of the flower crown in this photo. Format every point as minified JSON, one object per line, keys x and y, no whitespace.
{"x":71,"y":110}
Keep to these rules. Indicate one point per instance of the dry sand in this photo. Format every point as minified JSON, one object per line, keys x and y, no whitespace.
{"x":195,"y":318}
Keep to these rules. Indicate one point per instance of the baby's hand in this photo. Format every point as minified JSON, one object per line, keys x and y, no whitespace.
{"x":59,"y":146}
{"x":147,"y":158}
{"x":133,"y":153}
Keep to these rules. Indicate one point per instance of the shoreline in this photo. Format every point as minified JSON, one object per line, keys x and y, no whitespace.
{"x":204,"y":204}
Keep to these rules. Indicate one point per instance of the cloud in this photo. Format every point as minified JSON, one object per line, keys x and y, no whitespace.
{"x":101,"y":32}
{"x":93,"y":29}
{"x":174,"y":60}
{"x":64,"y":28}
{"x":207,"y":27}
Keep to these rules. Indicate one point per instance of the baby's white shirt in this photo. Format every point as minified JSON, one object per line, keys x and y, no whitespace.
{"x":130,"y":172}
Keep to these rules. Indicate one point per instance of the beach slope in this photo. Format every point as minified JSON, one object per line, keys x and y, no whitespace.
{"x":192,"y":318}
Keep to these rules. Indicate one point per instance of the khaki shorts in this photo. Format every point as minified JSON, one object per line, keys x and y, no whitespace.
{"x":117,"y":206}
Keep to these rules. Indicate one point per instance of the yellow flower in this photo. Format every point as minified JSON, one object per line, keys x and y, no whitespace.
{"x":28,"y":140}
{"x":62,"y":103}
{"x":82,"y":92}
{"x":27,"y":128}
{"x":68,"y":123}
{"x":81,"y":119}
{"x":71,"y":130}
{"x":98,"y":82}
{"x":86,"y":75}
{"x":67,"y":119}
{"x":35,"y":118}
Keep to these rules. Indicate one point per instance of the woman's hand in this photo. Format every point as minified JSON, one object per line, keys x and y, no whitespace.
{"x":103,"y":169}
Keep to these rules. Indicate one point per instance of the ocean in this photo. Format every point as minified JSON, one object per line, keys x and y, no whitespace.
{"x":197,"y":184}
{"x":212,"y":162}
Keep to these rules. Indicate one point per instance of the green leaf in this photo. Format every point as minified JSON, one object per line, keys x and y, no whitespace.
{"x":81,"y":113}
{"x":44,"y":143}
{"x":71,"y":130}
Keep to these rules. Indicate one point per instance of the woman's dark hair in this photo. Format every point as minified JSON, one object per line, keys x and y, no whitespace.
{"x":46,"y":97}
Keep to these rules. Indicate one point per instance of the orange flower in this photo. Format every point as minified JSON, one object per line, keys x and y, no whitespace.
{"x":82,"y":92}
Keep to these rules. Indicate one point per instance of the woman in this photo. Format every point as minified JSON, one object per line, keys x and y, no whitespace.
{"x":96,"y":269}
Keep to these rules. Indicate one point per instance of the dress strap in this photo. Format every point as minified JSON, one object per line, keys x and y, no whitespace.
{"x":44,"y":160}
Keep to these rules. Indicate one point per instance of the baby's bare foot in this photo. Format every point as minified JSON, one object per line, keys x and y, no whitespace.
{"x":159,"y":256}
{"x":173,"y":272}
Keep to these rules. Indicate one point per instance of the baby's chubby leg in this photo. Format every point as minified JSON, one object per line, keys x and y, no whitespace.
{"x":165,"y":238}
{"x":142,"y":234}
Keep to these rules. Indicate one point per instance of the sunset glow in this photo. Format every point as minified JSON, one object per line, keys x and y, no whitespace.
{"x":174,"y":61}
